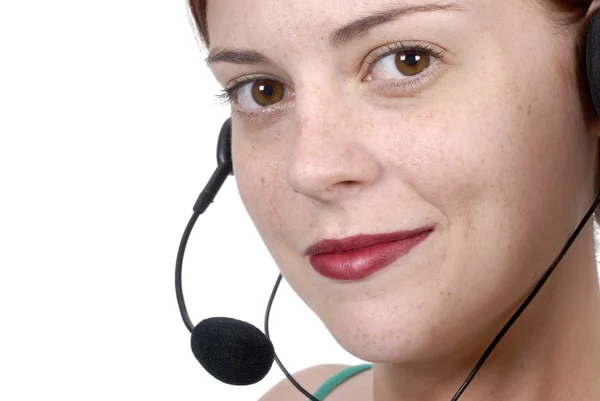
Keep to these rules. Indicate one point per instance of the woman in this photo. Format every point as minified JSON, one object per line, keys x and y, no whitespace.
{"x":464,"y":124}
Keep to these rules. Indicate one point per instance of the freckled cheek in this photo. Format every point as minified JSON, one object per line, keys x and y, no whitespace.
{"x":451,"y":157}
{"x":247,"y":174}
{"x":467,"y":160}
{"x":251,"y":189}
{"x":261,"y":196}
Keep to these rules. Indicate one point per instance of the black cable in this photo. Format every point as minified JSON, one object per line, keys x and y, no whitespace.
{"x":524,"y":305}
{"x":284,"y":370}
{"x":178,"y":289}
{"x":206,"y":197}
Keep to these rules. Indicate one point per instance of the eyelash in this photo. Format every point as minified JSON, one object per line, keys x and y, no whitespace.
{"x":228,"y":94}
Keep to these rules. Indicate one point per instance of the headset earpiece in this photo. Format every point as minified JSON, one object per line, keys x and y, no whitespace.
{"x":224,"y":146}
{"x":593,"y":59}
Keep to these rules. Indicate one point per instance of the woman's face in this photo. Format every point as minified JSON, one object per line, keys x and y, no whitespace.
{"x":480,"y":135}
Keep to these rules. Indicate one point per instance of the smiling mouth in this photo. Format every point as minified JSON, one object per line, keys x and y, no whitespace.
{"x":363,"y":256}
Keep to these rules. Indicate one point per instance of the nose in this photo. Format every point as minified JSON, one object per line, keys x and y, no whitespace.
{"x":330,"y":158}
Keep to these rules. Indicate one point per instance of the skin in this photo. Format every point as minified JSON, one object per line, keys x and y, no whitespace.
{"x":492,"y":149}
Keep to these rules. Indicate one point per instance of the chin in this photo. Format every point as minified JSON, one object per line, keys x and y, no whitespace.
{"x":396,"y":335}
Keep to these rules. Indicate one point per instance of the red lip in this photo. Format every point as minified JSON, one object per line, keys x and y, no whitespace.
{"x":360,"y":256}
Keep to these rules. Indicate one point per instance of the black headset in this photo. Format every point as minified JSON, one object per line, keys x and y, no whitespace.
{"x":238,"y":353}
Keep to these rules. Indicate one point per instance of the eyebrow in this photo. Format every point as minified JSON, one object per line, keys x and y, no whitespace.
{"x":362,"y":26}
{"x":338,"y":38}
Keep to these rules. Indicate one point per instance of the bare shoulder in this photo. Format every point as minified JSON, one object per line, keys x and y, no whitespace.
{"x":310,"y":378}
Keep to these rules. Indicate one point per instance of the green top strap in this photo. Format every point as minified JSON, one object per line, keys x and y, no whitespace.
{"x":339,"y":378}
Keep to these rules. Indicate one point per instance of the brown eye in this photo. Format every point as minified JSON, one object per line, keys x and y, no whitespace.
{"x":412,"y":62}
{"x":267,"y":92}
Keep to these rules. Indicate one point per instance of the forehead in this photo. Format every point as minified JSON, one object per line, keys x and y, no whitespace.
{"x":240,"y":22}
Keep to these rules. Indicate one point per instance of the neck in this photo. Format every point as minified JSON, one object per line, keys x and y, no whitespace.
{"x":551,"y":353}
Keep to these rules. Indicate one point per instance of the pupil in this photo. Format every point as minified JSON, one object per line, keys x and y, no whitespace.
{"x":267,"y":90}
{"x":412,"y":59}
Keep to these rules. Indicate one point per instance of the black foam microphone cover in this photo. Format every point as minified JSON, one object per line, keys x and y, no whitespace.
{"x":593,"y":59}
{"x":232,"y":351}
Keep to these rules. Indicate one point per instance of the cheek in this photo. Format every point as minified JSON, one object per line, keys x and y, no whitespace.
{"x":495,"y":164}
{"x":261,"y":190}
{"x":278,"y":220}
{"x":512,"y":170}
{"x":509,"y":141}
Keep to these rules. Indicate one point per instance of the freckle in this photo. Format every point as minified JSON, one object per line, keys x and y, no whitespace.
{"x":529,"y":110}
{"x":262,"y":180}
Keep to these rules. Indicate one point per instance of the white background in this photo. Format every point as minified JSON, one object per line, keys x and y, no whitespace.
{"x":108,"y":130}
